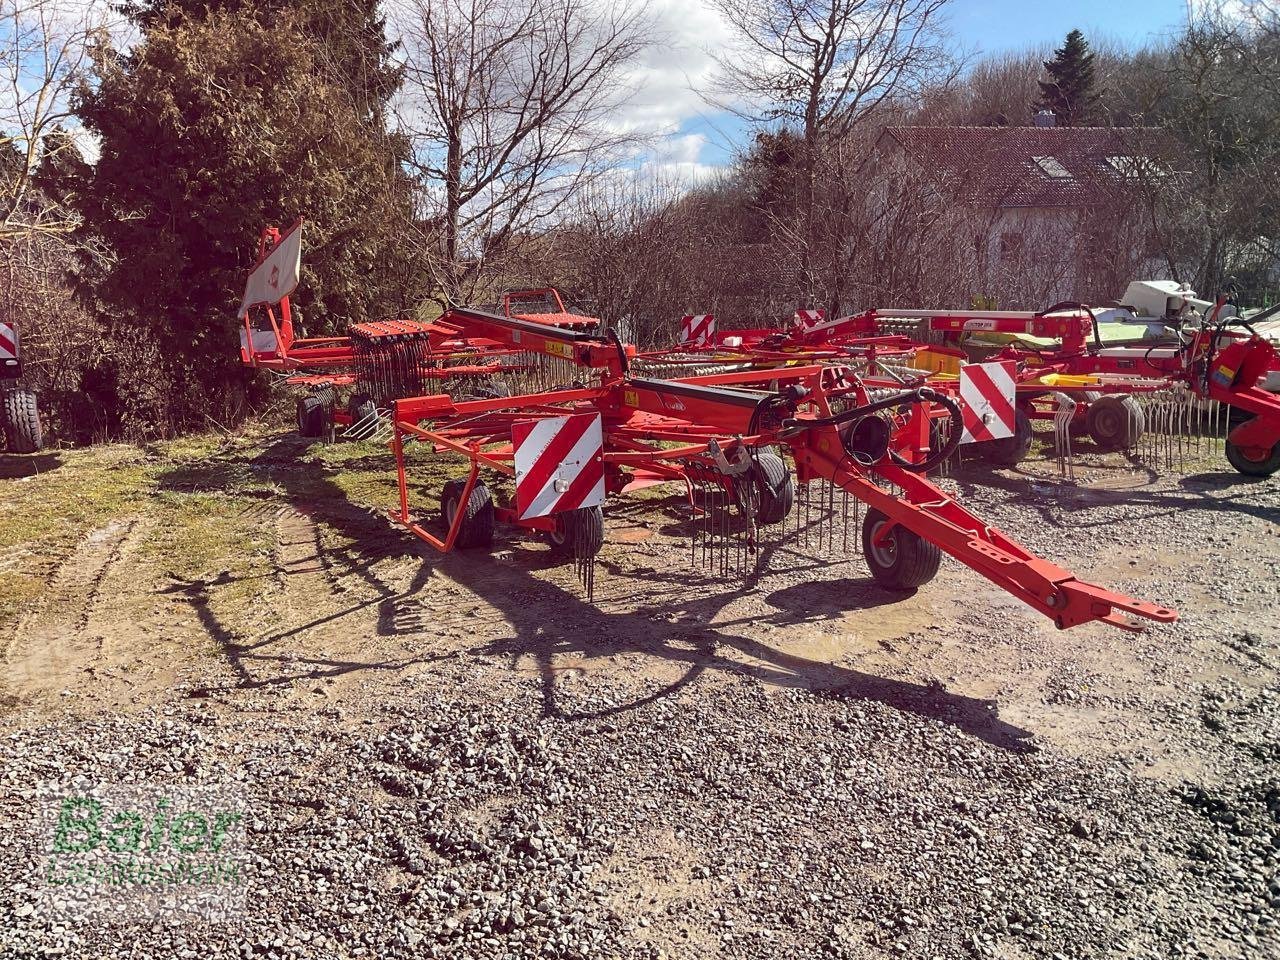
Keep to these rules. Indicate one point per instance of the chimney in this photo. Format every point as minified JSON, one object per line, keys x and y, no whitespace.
{"x":1045,"y":118}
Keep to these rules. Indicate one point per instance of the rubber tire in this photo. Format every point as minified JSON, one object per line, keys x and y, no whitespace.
{"x":22,"y":431}
{"x":1253,"y":468}
{"x":914,"y":561}
{"x":775,"y":488}
{"x":312,"y":416}
{"x":477,"y":525}
{"x":359,"y":408}
{"x":1116,"y":422}
{"x":1009,"y":451}
{"x":587,"y":521}
{"x":1079,"y":425}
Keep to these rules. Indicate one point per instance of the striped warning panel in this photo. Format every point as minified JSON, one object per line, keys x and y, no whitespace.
{"x":988,"y":397}
{"x":806,"y":320}
{"x":697,"y":330}
{"x":8,"y":342}
{"x":559,"y":464}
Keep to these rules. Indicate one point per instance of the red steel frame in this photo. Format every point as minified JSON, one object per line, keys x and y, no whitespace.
{"x":710,"y":414}
{"x":652,"y":428}
{"x":1233,"y":379}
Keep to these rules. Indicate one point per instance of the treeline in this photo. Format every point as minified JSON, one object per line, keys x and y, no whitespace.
{"x":444,"y":150}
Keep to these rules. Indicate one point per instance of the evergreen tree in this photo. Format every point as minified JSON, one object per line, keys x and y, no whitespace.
{"x":223,"y":119}
{"x":1068,"y":92}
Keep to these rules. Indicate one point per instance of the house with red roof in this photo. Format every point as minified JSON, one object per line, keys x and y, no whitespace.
{"x":1055,"y":212}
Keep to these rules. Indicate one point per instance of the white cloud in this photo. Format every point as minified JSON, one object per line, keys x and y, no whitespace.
{"x":675,"y":73}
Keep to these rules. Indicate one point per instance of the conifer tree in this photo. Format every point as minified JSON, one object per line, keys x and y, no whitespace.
{"x":1068,"y":90}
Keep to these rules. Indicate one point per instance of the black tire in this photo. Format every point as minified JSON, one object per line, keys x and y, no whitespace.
{"x":578,"y":533}
{"x":905,"y":562}
{"x":1250,"y":467}
{"x":1116,"y":422}
{"x":1009,"y":451}
{"x":313,"y":416}
{"x":1079,"y":425}
{"x":775,"y":489}
{"x":22,"y":431}
{"x":362,"y":410}
{"x":477,"y":524}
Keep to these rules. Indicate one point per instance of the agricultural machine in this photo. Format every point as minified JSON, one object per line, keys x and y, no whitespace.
{"x":753,"y":450}
{"x":1170,"y":395}
{"x":19,"y":415}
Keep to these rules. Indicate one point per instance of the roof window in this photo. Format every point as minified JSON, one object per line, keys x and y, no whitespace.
{"x":1050,"y":167}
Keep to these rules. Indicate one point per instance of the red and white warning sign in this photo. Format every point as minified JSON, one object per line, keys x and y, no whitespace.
{"x":8,"y":342}
{"x":697,"y":330}
{"x":806,"y":320}
{"x":559,"y":464}
{"x":987,"y":398}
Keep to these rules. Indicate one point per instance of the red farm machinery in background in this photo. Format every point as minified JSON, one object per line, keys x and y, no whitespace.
{"x":1167,"y":399}
{"x":19,"y":414}
{"x":574,"y":420}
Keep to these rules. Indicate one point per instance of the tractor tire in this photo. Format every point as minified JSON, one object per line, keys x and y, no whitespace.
{"x":22,"y":432}
{"x":1009,"y":451}
{"x":1247,"y":461}
{"x":1116,"y":422}
{"x":775,"y":489}
{"x":905,"y":561}
{"x":313,"y":416}
{"x":477,"y":524}
{"x":578,"y":533}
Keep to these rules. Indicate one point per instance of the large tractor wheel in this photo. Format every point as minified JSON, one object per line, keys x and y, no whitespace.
{"x":477,"y":523}
{"x":775,"y":489}
{"x":1254,"y":461}
{"x":22,"y":430}
{"x":1009,"y":451}
{"x":1116,"y":423}
{"x":578,"y":533}
{"x":904,"y":561}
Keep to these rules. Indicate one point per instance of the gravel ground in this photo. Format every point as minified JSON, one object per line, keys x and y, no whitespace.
{"x":463,"y":758}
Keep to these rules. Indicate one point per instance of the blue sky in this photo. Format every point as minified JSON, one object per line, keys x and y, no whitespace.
{"x":993,"y":25}
{"x":700,"y":138}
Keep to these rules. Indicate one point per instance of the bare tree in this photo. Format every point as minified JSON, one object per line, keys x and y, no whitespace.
{"x":511,"y":107}
{"x":44,"y":56}
{"x":823,"y":67}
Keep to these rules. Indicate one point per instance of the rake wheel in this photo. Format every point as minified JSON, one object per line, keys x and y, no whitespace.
{"x":578,"y":533}
{"x":904,"y":561}
{"x":775,"y":488}
{"x":21,"y":422}
{"x":477,"y":524}
{"x":1252,"y":462}
{"x":1115,"y":422}
{"x":312,"y":416}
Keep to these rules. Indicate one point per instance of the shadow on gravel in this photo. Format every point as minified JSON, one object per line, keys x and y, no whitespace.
{"x":552,"y":623}
{"x":668,"y":617}
{"x":1066,"y":505}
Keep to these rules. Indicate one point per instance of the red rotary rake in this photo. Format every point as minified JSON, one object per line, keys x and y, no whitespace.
{"x":726,"y":438}
{"x":1172,"y":399}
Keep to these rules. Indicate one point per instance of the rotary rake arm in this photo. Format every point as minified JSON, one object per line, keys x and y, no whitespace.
{"x":717,"y":426}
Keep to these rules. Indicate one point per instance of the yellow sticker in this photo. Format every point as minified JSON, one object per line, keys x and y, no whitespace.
{"x":630,"y":398}
{"x":560,"y":349}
